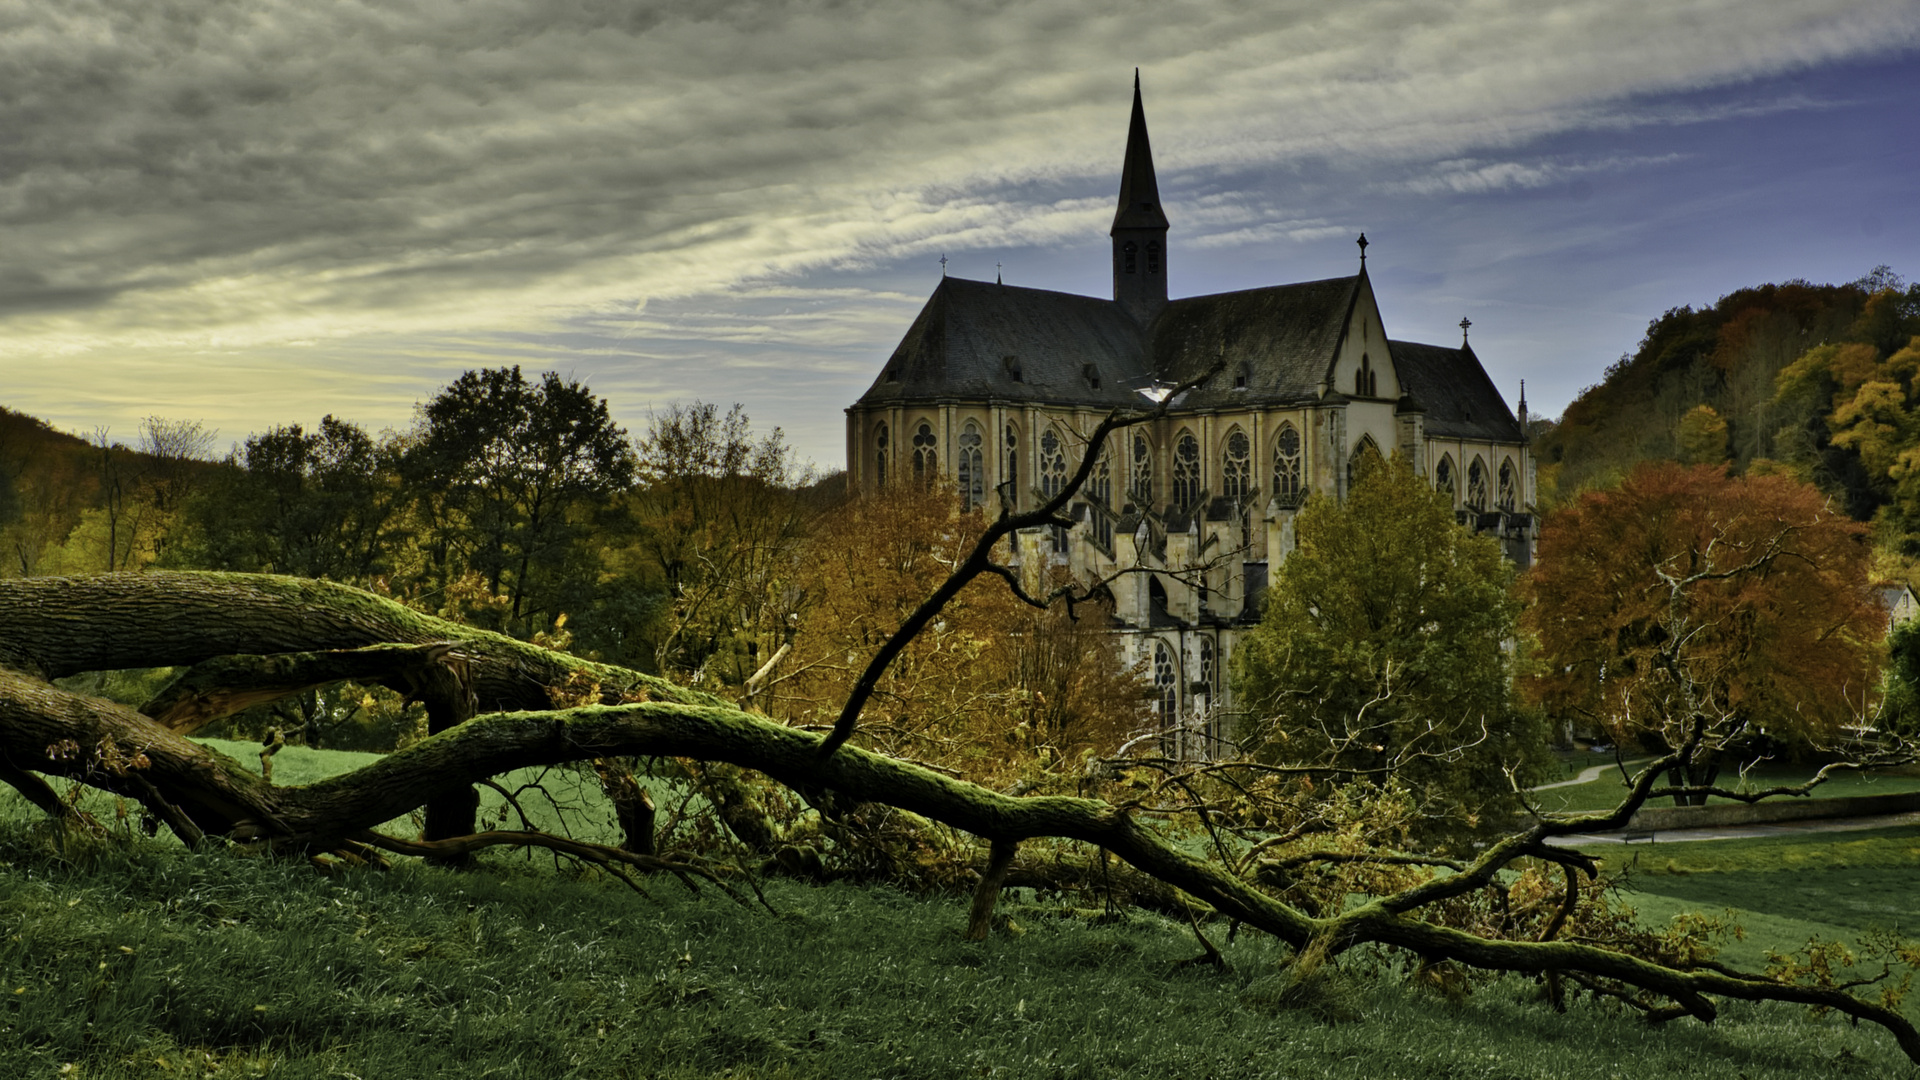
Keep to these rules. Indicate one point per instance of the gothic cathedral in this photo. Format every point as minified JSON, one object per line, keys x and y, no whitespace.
{"x":995,"y":387}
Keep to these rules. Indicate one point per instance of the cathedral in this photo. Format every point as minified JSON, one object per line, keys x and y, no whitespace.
{"x":994,"y":389}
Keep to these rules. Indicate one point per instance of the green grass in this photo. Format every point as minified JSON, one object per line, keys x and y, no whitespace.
{"x":1605,"y":792}
{"x":137,"y":959}
{"x":1783,"y":890}
{"x":149,"y":962}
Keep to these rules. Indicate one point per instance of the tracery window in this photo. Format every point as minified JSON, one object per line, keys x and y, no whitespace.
{"x":1186,"y":470}
{"x":972,"y":469}
{"x":1443,"y":480}
{"x":1053,"y":477}
{"x":1509,"y":495}
{"x":880,"y":453}
{"x":1236,"y":469}
{"x":1207,"y":666}
{"x":1166,"y":684}
{"x":1141,"y":485}
{"x":1100,"y":484}
{"x":926,"y":464}
{"x":1286,"y":466}
{"x":1477,"y":485}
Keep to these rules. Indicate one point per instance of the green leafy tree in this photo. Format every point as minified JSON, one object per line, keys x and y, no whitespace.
{"x":1385,"y":649}
{"x":716,"y":523}
{"x":319,"y":504}
{"x":507,"y":478}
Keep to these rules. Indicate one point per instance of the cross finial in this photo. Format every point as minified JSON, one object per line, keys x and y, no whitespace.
{"x":1363,"y":248}
{"x":943,"y":265}
{"x":1464,"y":323}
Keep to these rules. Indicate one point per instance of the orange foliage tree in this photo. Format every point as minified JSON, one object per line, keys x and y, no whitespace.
{"x":993,"y":688}
{"x":1690,"y":606}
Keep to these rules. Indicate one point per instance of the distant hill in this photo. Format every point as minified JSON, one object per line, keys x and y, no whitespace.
{"x":52,"y":482}
{"x":1751,"y":381}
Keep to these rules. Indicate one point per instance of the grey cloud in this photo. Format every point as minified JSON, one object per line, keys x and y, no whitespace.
{"x":181,"y":169}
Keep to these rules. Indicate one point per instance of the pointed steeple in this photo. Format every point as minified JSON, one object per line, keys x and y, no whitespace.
{"x":1139,"y":225}
{"x":1139,"y":189}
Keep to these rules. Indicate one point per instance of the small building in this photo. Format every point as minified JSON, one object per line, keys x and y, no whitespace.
{"x":1897,"y":599}
{"x":995,"y":388}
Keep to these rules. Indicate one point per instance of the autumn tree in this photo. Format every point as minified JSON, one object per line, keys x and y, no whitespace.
{"x":994,"y":687}
{"x":1384,"y":648}
{"x":1693,"y":605}
{"x":1702,"y":436}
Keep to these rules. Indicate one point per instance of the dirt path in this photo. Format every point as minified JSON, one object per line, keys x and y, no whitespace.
{"x":1587,"y":775}
{"x":1738,"y":832}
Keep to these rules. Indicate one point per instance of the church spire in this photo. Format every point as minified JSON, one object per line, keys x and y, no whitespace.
{"x":1139,"y":190}
{"x":1139,"y":225}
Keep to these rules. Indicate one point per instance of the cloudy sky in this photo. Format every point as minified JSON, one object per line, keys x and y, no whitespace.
{"x":257,"y":213}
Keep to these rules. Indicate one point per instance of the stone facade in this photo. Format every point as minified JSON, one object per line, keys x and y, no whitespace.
{"x":995,"y":389}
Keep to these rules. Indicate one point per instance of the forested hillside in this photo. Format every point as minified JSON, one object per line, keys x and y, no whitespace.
{"x":1812,"y":380}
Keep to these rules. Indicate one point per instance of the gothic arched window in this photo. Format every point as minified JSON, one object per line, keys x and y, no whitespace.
{"x":1053,"y":477}
{"x":880,"y":453}
{"x":1367,"y":453}
{"x":1166,"y":684}
{"x":1100,"y":485}
{"x":1364,"y":384}
{"x":1509,"y":497}
{"x":926,"y":463}
{"x":1141,"y":483}
{"x":1010,"y":474}
{"x":1186,"y":470}
{"x":1236,"y":467}
{"x":1477,"y":485}
{"x":1208,"y":672}
{"x":1287,"y":470}
{"x":972,"y":472}
{"x":1153,"y":257}
{"x":1443,"y":480}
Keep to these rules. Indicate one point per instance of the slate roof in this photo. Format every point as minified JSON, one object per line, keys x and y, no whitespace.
{"x":1461,"y":401}
{"x":1283,"y":337}
{"x":958,"y":348}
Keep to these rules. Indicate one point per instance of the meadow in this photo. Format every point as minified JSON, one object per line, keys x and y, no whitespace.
{"x":130,"y":957}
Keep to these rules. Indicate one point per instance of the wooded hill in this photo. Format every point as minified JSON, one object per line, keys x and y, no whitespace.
{"x":1812,"y":380}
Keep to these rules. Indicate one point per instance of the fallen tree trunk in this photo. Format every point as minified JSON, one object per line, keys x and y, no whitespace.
{"x":56,"y":627}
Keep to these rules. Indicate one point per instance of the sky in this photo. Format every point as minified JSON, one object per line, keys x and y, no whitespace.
{"x":253,"y":214}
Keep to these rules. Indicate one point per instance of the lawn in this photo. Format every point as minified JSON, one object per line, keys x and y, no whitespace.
{"x":1783,"y":890}
{"x":137,"y":959}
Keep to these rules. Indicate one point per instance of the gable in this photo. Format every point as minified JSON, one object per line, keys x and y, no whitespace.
{"x":1460,"y":400}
